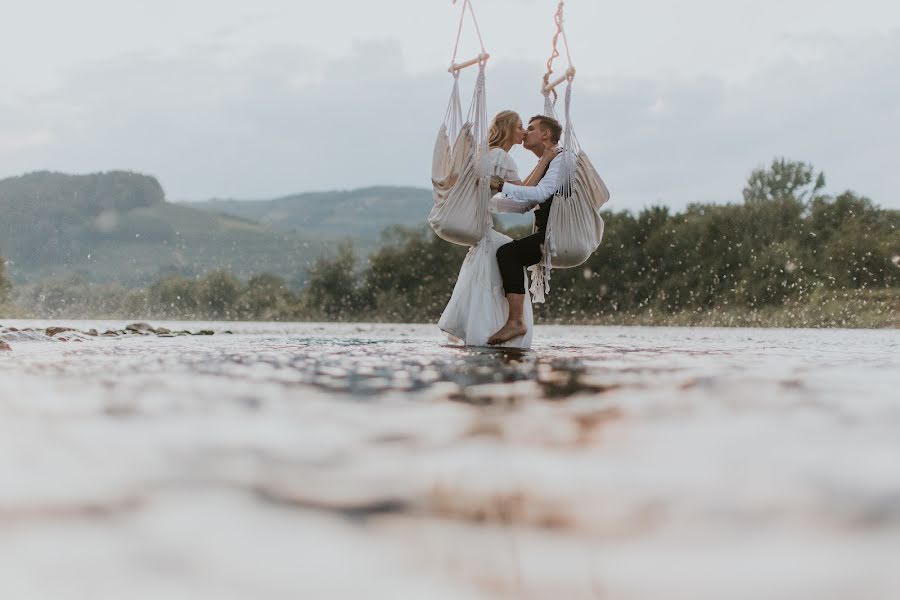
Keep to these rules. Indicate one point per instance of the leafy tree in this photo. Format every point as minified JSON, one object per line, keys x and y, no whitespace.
{"x":177,"y":298}
{"x":773,"y":275}
{"x":267,"y":298}
{"x":784,"y":180}
{"x":412,"y":275}
{"x":332,"y":289}
{"x":218,"y":293}
{"x":5,"y":285}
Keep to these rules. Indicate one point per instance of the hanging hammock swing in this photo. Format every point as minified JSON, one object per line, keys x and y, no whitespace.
{"x":461,"y":186}
{"x":575,"y":227}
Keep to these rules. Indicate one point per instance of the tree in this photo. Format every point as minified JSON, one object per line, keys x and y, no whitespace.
{"x":331,"y":289}
{"x":267,"y":298}
{"x":5,"y":285}
{"x":412,"y":275}
{"x":176,"y":297}
{"x":218,"y":295}
{"x":784,"y":180}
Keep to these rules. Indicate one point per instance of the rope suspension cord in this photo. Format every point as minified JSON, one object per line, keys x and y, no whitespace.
{"x":454,"y":118}
{"x":478,"y":60}
{"x":550,"y":86}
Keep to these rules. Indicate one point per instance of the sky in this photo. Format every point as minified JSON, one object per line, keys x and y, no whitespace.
{"x":675,"y":102}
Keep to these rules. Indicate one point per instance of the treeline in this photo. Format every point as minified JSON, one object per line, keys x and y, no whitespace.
{"x":819,"y":259}
{"x":787,"y":244}
{"x":5,"y":285}
{"x":219,"y":295}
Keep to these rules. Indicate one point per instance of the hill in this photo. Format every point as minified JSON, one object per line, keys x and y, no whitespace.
{"x":118,"y":227}
{"x":359,"y":214}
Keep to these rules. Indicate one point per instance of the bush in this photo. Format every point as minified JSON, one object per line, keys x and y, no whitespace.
{"x":5,"y":285}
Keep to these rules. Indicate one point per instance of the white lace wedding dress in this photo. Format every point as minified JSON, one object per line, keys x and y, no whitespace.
{"x":478,"y":307}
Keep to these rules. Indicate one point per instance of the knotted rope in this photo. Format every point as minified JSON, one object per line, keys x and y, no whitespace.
{"x":558,"y":20}
{"x":540,"y":273}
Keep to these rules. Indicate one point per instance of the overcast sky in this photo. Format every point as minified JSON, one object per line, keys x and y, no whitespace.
{"x":675,"y":102}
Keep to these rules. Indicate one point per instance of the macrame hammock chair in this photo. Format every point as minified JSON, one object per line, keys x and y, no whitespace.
{"x":461,"y":185}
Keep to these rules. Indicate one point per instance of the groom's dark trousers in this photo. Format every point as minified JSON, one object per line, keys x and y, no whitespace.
{"x":518,"y":254}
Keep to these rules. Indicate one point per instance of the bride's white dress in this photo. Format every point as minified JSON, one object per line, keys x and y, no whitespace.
{"x":478,"y":307}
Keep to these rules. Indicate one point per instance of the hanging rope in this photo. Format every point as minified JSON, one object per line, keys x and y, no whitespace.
{"x":550,"y":87}
{"x":462,"y":18}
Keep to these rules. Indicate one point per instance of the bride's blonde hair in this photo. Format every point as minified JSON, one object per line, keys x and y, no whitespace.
{"x":501,"y":127}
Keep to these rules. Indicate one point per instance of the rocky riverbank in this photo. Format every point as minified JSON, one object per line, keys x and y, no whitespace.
{"x":58,"y":333}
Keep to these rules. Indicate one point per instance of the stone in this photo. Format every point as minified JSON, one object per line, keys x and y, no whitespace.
{"x":140,"y":328}
{"x":205,"y":332}
{"x":51,"y":331}
{"x":163,"y":331}
{"x":4,"y":346}
{"x":93,"y":332}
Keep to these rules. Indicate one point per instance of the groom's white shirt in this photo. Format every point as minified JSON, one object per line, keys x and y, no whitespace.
{"x":522,"y":198}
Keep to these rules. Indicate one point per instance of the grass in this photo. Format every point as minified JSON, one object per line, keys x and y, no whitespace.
{"x":854,"y":309}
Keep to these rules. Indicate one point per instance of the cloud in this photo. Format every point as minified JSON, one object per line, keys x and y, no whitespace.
{"x":290,"y":120}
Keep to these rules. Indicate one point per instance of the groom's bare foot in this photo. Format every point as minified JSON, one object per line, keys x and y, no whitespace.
{"x":510,"y":331}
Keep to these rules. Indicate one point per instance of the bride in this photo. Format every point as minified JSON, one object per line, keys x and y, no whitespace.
{"x":478,"y":307}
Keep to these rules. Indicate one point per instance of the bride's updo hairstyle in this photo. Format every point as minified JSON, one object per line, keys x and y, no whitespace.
{"x":501,"y":127}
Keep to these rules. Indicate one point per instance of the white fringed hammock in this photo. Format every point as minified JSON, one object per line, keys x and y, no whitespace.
{"x":575,"y":227}
{"x":461,"y":186}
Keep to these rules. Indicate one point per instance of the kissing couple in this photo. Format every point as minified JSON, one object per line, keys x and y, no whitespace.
{"x":490,"y":304}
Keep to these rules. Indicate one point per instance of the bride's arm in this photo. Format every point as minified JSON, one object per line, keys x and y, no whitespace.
{"x":536,"y":174}
{"x":541,"y":167}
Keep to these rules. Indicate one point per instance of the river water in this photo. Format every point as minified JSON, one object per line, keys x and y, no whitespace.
{"x":378,"y":461}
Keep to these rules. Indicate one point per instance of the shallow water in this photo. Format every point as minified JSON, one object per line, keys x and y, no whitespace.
{"x":378,"y":461}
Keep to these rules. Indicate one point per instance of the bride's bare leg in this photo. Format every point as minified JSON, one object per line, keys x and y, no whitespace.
{"x":515,"y":323}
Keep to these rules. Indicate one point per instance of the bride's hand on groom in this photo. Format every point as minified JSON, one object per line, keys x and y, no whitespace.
{"x":496,"y":184}
{"x":550,"y":153}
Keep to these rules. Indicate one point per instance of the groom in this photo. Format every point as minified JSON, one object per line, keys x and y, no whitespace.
{"x":543,"y":133}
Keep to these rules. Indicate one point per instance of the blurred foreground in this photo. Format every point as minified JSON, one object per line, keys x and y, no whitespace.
{"x":375,"y":461}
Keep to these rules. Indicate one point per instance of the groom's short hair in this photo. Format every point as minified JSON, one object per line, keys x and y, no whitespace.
{"x":551,"y":124}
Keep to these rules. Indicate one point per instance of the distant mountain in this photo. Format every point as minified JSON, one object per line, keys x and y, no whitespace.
{"x":357,"y":214}
{"x":117,"y":226}
{"x":361,"y":215}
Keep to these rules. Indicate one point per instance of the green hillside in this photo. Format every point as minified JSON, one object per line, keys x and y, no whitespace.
{"x":118,"y":227}
{"x":358,"y":214}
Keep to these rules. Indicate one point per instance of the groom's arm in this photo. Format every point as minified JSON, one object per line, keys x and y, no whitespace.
{"x":541,"y":192}
{"x":501,"y":204}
